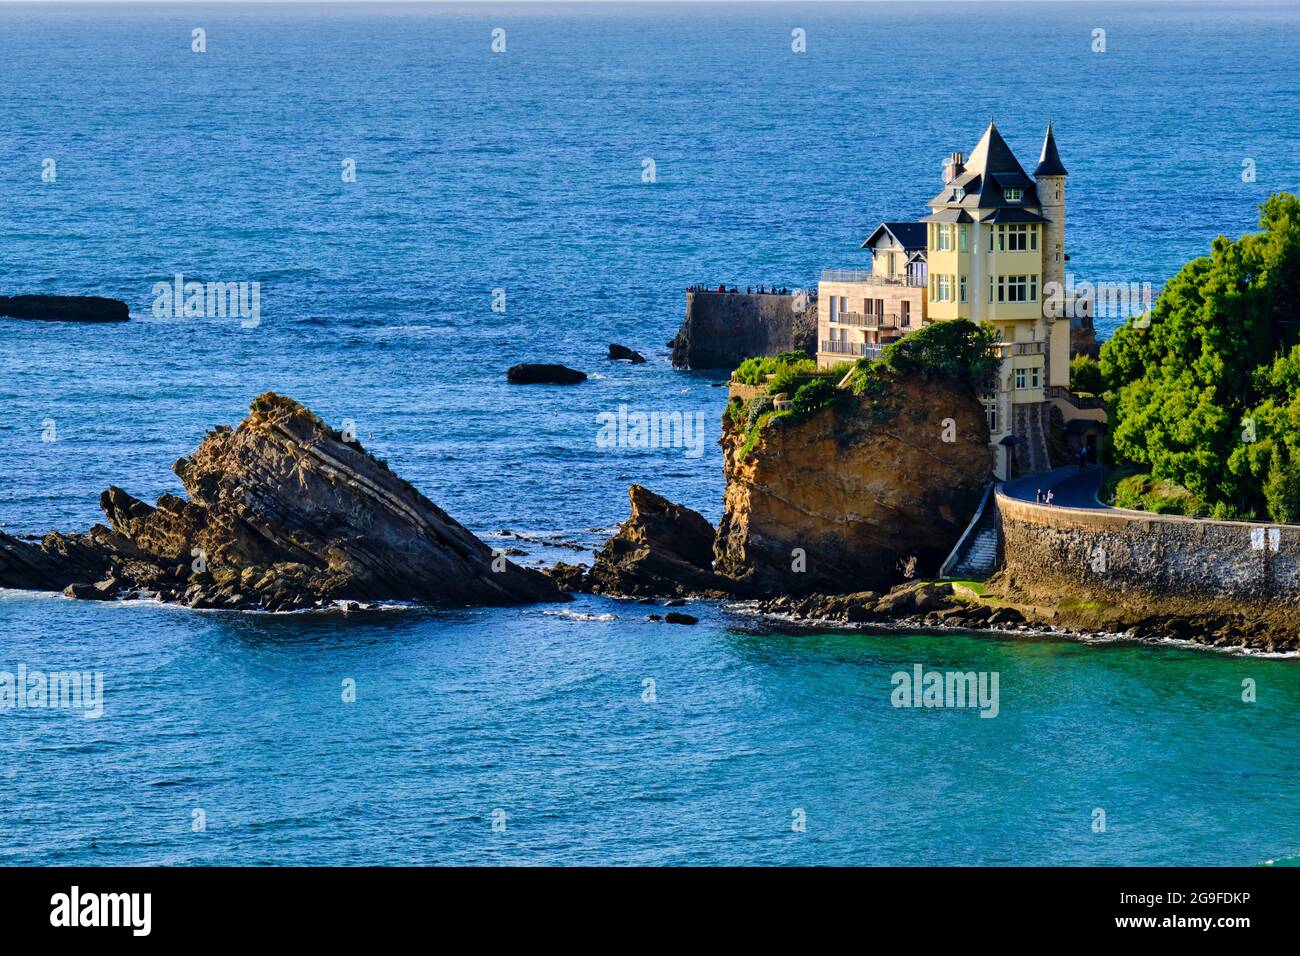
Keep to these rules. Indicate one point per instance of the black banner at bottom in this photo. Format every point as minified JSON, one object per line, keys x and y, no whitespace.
{"x":336,"y":905}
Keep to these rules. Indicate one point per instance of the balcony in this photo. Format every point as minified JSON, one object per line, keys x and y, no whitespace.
{"x":890,"y":320}
{"x":858,"y":349}
{"x":868,"y":277}
{"x":1078,"y":401}
{"x":1008,"y":349}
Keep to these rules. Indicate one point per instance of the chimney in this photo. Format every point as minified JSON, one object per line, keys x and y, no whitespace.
{"x":953,"y":167}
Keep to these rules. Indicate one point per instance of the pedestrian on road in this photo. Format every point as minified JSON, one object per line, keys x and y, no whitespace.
{"x":1038,"y":498}
{"x":1049,"y":497}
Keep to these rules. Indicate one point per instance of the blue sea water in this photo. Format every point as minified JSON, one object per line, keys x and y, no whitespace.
{"x":522,"y":171}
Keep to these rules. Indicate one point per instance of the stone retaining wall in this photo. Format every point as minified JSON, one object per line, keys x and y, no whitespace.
{"x":1162,"y":555}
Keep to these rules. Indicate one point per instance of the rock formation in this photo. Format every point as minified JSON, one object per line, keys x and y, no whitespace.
{"x":543,"y":374}
{"x":856,"y":496}
{"x":283,"y":513}
{"x":722,"y":329}
{"x":64,"y":308}
{"x":662,"y":550}
{"x":620,"y":353}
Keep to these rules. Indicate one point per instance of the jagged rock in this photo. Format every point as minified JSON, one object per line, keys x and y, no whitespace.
{"x":842,"y":499}
{"x":543,"y":374}
{"x":64,"y":308}
{"x":676,"y":617}
{"x":919,"y":598}
{"x":1005,"y":615}
{"x":51,"y":564}
{"x":567,"y":577}
{"x":104,"y":590}
{"x":283,"y":513}
{"x":662,"y":550}
{"x":622,"y":352}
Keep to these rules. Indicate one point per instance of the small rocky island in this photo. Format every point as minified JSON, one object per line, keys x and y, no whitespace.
{"x":64,"y":308}
{"x":284,"y":513}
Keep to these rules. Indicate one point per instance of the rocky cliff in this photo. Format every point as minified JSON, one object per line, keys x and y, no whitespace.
{"x":722,"y":329}
{"x":858,"y":496}
{"x":282,"y":513}
{"x":662,"y":550}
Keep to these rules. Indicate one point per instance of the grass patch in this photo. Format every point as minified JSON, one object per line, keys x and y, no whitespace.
{"x":1162,"y":496}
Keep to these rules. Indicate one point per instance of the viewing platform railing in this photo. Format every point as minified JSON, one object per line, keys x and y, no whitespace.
{"x":851,"y":348}
{"x":870,"y":278}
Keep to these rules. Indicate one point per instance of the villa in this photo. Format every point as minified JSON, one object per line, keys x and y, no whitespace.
{"x":991,"y":250}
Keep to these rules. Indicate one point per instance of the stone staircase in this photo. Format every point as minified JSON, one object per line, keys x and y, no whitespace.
{"x":1032,"y":423}
{"x":979,"y":559}
{"x":978,"y":554}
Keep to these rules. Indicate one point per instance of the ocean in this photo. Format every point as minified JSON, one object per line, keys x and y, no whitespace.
{"x":501,"y":213}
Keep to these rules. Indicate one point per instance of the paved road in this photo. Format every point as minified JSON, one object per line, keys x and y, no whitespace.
{"x":1071,"y":488}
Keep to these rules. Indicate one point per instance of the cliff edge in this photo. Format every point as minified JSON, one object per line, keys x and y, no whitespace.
{"x":861,"y":494}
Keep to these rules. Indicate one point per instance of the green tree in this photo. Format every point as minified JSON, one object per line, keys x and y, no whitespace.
{"x":1188,"y":377}
{"x":1085,"y":375}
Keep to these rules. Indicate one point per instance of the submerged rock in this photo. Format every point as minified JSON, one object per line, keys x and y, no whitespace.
{"x":663,"y":549}
{"x":543,"y":374}
{"x":283,"y":513}
{"x":64,"y":308}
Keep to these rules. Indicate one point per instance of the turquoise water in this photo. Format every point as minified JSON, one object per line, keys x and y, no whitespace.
{"x":523,"y":171}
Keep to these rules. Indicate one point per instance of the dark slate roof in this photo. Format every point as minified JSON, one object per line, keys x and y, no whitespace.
{"x":990,"y":168}
{"x":953,"y":214}
{"x":910,"y":235}
{"x":1049,"y":161}
{"x":1013,"y":214}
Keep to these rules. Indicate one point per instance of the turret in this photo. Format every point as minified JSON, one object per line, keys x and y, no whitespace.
{"x":1050,"y":176}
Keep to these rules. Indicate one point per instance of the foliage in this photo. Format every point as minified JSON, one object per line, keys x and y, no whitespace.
{"x":813,"y":396}
{"x":1085,"y":375}
{"x":958,"y":348}
{"x":1162,"y":496}
{"x":1206,"y":394}
{"x":754,"y":371}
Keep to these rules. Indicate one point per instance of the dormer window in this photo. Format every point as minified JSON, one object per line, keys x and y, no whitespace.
{"x":1013,"y":195}
{"x":959,"y":194}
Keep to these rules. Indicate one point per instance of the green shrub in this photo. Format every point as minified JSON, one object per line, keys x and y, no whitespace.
{"x":1157,"y":495}
{"x":1085,"y":375}
{"x":958,"y":348}
{"x":755,"y":408}
{"x":813,"y":396}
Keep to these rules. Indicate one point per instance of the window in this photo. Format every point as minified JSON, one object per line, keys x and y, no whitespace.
{"x":990,"y":238}
{"x":991,"y":416}
{"x":1033,"y":288}
{"x":963,"y":288}
{"x":945,"y":238}
{"x":963,"y":237}
{"x":1017,"y":238}
{"x":990,"y":290}
{"x":1016,"y":288}
{"x":1013,"y":195}
{"x":1033,"y":238}
{"x":1029,"y":377}
{"x":944,"y":290}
